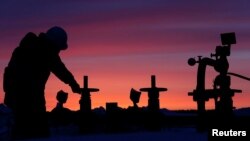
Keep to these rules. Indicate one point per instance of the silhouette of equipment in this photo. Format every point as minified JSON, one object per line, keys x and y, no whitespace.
{"x":62,"y":97}
{"x":153,"y":95}
{"x":221,"y":92}
{"x":85,"y":101}
{"x":60,"y":114}
{"x":238,"y":75}
{"x":135,"y":97}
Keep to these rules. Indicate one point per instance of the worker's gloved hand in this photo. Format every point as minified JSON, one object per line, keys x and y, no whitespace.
{"x":75,"y":88}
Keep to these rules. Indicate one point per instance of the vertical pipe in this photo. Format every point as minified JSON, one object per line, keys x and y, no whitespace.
{"x":85,"y":81}
{"x":153,"y":85}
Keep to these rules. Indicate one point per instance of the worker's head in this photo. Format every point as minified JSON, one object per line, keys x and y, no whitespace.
{"x":58,"y":36}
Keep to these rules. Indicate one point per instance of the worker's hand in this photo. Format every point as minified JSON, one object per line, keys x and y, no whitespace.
{"x":76,"y":88}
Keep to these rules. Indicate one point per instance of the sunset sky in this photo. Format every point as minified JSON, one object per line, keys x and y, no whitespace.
{"x":119,"y":44}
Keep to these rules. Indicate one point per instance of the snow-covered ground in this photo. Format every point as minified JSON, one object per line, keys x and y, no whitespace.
{"x":70,"y":133}
{"x":169,"y":134}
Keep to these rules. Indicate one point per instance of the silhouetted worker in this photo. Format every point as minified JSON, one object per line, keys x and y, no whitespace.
{"x":25,"y":78}
{"x":61,"y":115}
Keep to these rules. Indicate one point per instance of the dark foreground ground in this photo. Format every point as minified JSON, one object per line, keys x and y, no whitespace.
{"x":131,"y":124}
